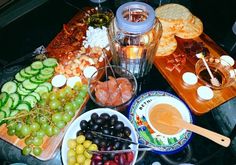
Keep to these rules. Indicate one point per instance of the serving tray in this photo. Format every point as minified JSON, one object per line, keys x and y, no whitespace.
{"x":50,"y":144}
{"x":189,"y":93}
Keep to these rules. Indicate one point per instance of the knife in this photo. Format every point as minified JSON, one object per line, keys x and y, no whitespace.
{"x":122,"y":139}
{"x":119,"y":151}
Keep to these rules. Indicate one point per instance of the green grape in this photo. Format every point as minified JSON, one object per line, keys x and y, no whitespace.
{"x":29,"y":140}
{"x":66,"y":117}
{"x":57,"y":117}
{"x":35,"y":126}
{"x":62,"y":94}
{"x":26,"y":150}
{"x":75,"y":105}
{"x":54,"y":104}
{"x":37,"y":151}
{"x":40,"y":133}
{"x":84,"y":88}
{"x":49,"y":131}
{"x":68,"y":90}
{"x":25,"y":130}
{"x":11,"y":125}
{"x":60,"y":124}
{"x":82,"y":93}
{"x":19,"y":126}
{"x":53,"y":96}
{"x":43,"y":103}
{"x":56,"y":130}
{"x":19,"y":135}
{"x":44,"y":126}
{"x":11,"y":132}
{"x":37,"y":141}
{"x":70,"y":113}
{"x":42,"y":119}
{"x":79,"y":100}
{"x":45,"y":96}
{"x":69,"y":106}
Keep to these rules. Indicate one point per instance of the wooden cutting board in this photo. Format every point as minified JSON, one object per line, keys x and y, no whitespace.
{"x":189,"y":94}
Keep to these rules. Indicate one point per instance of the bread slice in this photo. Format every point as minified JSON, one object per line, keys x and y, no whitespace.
{"x":191,"y":30}
{"x":175,"y":13}
{"x":167,"y":45}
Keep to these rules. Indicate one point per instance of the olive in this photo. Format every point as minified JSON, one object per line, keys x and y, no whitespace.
{"x":88,"y":135}
{"x":94,"y":116}
{"x":120,"y":134}
{"x":113,"y":120}
{"x":117,"y":145}
{"x":109,"y":148}
{"x":119,"y":126}
{"x":95,"y":127}
{"x":105,"y":158}
{"x":112,"y":156}
{"x":112,"y":132}
{"x":106,"y":131}
{"x":106,"y":125}
{"x":125,"y":146}
{"x":80,"y":132}
{"x":102,"y":143}
{"x":99,"y":121}
{"x":91,"y":123}
{"x":84,"y":124}
{"x":96,"y":140}
{"x":127,"y":131}
{"x":105,"y":116}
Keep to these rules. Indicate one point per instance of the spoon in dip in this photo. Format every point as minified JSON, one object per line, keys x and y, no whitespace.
{"x":169,"y":119}
{"x":214,"y":80}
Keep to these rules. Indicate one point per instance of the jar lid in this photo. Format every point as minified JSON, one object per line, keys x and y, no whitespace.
{"x":139,"y":26}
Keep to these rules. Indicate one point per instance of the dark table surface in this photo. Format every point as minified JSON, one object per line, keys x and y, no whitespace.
{"x":41,"y":25}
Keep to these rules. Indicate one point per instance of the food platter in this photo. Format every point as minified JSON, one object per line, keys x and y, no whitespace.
{"x":164,"y":144}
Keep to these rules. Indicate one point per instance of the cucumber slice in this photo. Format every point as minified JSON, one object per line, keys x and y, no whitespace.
{"x":47,"y":71}
{"x":36,"y":95}
{"x":19,"y":78}
{"x":41,"y":89}
{"x":36,"y":81}
{"x":27,"y":84}
{"x":48,"y":85}
{"x":6,"y":108}
{"x":9,"y":87}
{"x":13,"y":112}
{"x":3,"y":98}
{"x":31,"y":100}
{"x":24,"y":74}
{"x":50,"y":62}
{"x":2,"y":116}
{"x":37,"y":65}
{"x":16,"y":99}
{"x":30,"y":71}
{"x":23,"y":106}
{"x":22,"y":91}
{"x":44,"y":77}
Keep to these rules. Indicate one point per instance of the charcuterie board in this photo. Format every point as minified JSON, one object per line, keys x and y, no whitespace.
{"x":189,"y":93}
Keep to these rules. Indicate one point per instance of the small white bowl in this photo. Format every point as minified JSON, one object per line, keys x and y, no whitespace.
{"x":59,"y":81}
{"x":189,"y":78}
{"x":205,"y":93}
{"x":72,"y":81}
{"x":226,"y":59}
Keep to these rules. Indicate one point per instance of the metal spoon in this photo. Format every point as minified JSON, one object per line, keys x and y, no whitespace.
{"x":214,"y":80}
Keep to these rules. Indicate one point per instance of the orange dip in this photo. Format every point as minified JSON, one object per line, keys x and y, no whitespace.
{"x":156,"y":113}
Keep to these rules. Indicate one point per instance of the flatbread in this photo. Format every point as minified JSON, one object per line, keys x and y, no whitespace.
{"x":167,"y":46}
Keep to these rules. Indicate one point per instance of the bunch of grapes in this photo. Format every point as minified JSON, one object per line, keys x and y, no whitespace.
{"x":50,"y":115}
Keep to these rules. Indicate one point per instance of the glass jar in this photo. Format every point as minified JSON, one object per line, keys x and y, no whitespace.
{"x":134,"y":35}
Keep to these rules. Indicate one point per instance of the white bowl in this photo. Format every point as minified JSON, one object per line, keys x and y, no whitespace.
{"x":75,"y":126}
